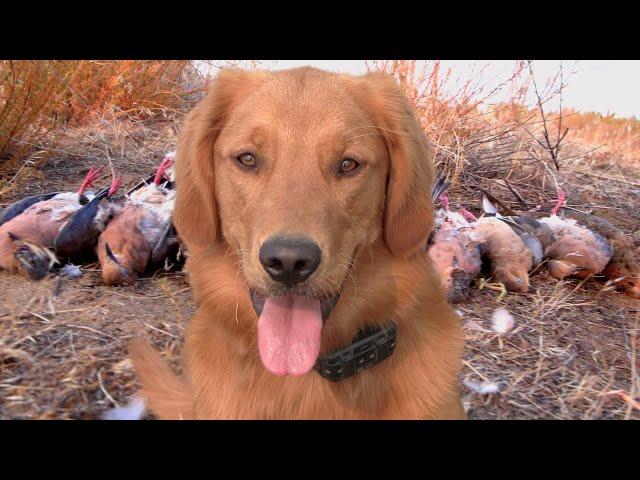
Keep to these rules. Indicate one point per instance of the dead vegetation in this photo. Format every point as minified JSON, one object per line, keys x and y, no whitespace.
{"x":62,"y":340}
{"x":41,"y":100}
{"x":573,"y":351}
{"x":63,"y":343}
{"x":571,"y":354}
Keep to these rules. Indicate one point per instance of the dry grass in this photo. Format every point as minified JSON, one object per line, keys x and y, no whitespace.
{"x":63,"y":341}
{"x":501,"y":147}
{"x":63,"y":346}
{"x":617,"y":137}
{"x":39,"y":99}
{"x":572,"y":354}
{"x":572,"y":346}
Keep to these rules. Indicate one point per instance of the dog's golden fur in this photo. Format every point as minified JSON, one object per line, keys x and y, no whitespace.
{"x":372,"y":227}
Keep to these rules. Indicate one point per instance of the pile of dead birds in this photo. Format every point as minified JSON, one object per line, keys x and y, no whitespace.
{"x":569,"y":243}
{"x":133,"y":234}
{"x":130,"y":234}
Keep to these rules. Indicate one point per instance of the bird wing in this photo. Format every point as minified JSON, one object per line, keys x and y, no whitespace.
{"x":161,"y":248}
{"x":80,"y":234}
{"x":20,"y":206}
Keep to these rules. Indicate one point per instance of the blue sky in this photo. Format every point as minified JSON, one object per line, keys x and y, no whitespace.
{"x":606,"y":86}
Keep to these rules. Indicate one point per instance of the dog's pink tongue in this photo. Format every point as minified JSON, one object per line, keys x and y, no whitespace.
{"x":289,"y":330}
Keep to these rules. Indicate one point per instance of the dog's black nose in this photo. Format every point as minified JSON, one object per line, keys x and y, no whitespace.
{"x":290,"y":260}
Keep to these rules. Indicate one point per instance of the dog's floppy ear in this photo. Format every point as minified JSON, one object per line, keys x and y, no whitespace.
{"x":409,"y":216}
{"x":195,"y":214}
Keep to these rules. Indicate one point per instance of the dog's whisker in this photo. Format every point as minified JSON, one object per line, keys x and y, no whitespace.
{"x":236,"y":290}
{"x":348,"y":267}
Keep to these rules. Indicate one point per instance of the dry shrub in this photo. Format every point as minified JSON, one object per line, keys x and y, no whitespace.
{"x":508,"y":146}
{"x":26,"y":97}
{"x":619,"y":137}
{"x":129,"y":87}
{"x":518,"y":139}
{"x":474,"y":137}
{"x":37,"y":97}
{"x":39,"y":100}
{"x":447,"y":106}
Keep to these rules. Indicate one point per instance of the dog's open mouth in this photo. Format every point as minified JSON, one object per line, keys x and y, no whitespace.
{"x":289,"y":331}
{"x":326,"y":304}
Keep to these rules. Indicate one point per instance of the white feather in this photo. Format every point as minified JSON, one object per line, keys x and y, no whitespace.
{"x":560,"y":225}
{"x":71,"y":271}
{"x":487,"y":206}
{"x":501,"y":320}
{"x":482,"y":388}
{"x":136,"y":409}
{"x":455,"y":218}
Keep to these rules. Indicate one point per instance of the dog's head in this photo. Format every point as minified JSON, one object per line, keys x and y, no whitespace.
{"x":296,"y":171}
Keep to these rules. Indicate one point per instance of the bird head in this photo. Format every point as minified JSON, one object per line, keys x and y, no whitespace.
{"x":514,"y":278}
{"x":115,"y":271}
{"x":32,"y":260}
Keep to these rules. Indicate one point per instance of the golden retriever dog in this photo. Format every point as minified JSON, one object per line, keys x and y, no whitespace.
{"x":304,"y":200}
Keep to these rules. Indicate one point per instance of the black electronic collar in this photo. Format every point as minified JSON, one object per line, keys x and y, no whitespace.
{"x":369,"y":347}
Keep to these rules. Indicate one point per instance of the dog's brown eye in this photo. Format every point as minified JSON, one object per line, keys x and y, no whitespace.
{"x":247,"y":160}
{"x":348,"y":165}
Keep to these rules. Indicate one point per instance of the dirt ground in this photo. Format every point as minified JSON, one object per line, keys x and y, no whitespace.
{"x":573,"y":353}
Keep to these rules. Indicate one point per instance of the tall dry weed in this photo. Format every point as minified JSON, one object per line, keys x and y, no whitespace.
{"x":36,"y":97}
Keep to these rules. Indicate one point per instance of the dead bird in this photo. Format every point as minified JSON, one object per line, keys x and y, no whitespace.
{"x":28,"y":258}
{"x":623,"y":270}
{"x":26,"y":239}
{"x":20,"y":206}
{"x":577,"y":250}
{"x":451,"y":248}
{"x":78,"y":237}
{"x":509,"y":258}
{"x":536,"y":236}
{"x":141,"y":234}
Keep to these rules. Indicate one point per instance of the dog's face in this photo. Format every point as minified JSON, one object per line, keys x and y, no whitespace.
{"x":300,"y":161}
{"x":297,"y":171}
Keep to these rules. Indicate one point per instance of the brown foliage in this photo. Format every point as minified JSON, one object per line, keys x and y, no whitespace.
{"x":36,"y":97}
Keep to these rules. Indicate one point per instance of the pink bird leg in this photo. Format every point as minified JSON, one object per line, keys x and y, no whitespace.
{"x":561,"y":199}
{"x":93,"y":174}
{"x":162,"y":169}
{"x":468,"y":215}
{"x":115,"y":185}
